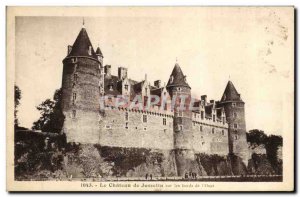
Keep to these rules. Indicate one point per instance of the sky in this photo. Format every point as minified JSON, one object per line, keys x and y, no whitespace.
{"x":253,"y":47}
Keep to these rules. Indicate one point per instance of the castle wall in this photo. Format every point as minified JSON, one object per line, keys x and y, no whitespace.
{"x":210,"y":137}
{"x":153,"y":134}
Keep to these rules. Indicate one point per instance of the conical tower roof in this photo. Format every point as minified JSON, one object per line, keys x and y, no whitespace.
{"x":230,"y":93}
{"x":99,"y":52}
{"x":82,"y":45}
{"x":177,"y":77}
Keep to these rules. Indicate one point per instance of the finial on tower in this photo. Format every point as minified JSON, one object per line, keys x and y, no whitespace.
{"x":83,"y":23}
{"x":176,"y":60}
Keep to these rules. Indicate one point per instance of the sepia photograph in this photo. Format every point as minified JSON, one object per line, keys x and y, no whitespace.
{"x":150,"y":98}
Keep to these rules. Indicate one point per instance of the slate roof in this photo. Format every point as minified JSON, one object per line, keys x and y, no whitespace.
{"x":230,"y":93}
{"x":81,"y":45}
{"x":179,"y":79}
{"x":99,"y":52}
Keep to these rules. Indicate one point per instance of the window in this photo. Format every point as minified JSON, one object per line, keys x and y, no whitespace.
{"x":108,"y":127}
{"x":179,"y":89}
{"x":223,"y":120}
{"x":214,"y":118}
{"x":145,"y":100}
{"x":195,"y":115}
{"x":194,"y":123}
{"x":165,"y":130}
{"x":164,"y":121}
{"x":213,"y":130}
{"x":235,"y":126}
{"x":223,"y":133}
{"x":234,"y":115}
{"x":126,"y":116}
{"x":75,"y":77}
{"x":74,"y":98}
{"x":233,"y":104}
{"x":145,"y":128}
{"x":235,"y":137}
{"x":180,"y":127}
{"x":203,"y":143}
{"x":74,"y":60}
{"x":74,"y":114}
{"x":145,"y":118}
{"x":126,"y":86}
{"x":180,"y":114}
{"x":202,"y":115}
{"x":201,"y":128}
{"x":126,"y":125}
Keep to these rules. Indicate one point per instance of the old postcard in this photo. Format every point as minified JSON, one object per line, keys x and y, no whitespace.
{"x":150,"y":99}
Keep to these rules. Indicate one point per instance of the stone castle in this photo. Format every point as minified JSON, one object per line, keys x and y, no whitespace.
{"x":215,"y":127}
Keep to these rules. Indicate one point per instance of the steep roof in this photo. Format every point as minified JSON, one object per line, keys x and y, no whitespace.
{"x":99,"y":52}
{"x":81,"y":45}
{"x":177,"y":77}
{"x":230,"y":93}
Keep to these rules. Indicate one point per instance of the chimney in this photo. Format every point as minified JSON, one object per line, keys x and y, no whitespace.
{"x":157,"y":83}
{"x":212,"y":101}
{"x":69,"y":49}
{"x":107,"y":70}
{"x":122,"y":72}
{"x":203,"y":98}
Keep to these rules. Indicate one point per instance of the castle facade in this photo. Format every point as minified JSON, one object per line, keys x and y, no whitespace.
{"x":212,"y":127}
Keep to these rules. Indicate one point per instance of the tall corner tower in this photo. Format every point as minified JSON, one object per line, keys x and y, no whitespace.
{"x":80,"y":89}
{"x":182,"y":123}
{"x":235,"y":115}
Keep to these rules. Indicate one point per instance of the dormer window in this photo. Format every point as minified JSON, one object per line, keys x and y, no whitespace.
{"x":171,"y":79}
{"x":233,"y":104}
{"x":110,"y":87}
{"x":90,"y":50}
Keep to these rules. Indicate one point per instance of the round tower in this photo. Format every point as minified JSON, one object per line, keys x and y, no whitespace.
{"x":80,"y":89}
{"x":180,"y":92}
{"x":234,"y":108}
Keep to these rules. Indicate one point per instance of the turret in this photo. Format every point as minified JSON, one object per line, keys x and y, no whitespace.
{"x":183,"y":137}
{"x":99,"y":56}
{"x":80,"y":88}
{"x":234,"y":108}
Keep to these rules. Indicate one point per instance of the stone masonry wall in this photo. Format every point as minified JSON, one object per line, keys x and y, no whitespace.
{"x":153,"y":134}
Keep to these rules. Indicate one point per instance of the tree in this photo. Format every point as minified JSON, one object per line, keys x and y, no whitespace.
{"x":272,"y":145}
{"x":52,"y":118}
{"x":17,"y":103}
{"x":256,"y":137}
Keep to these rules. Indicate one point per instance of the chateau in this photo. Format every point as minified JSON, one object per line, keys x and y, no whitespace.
{"x":212,"y":127}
